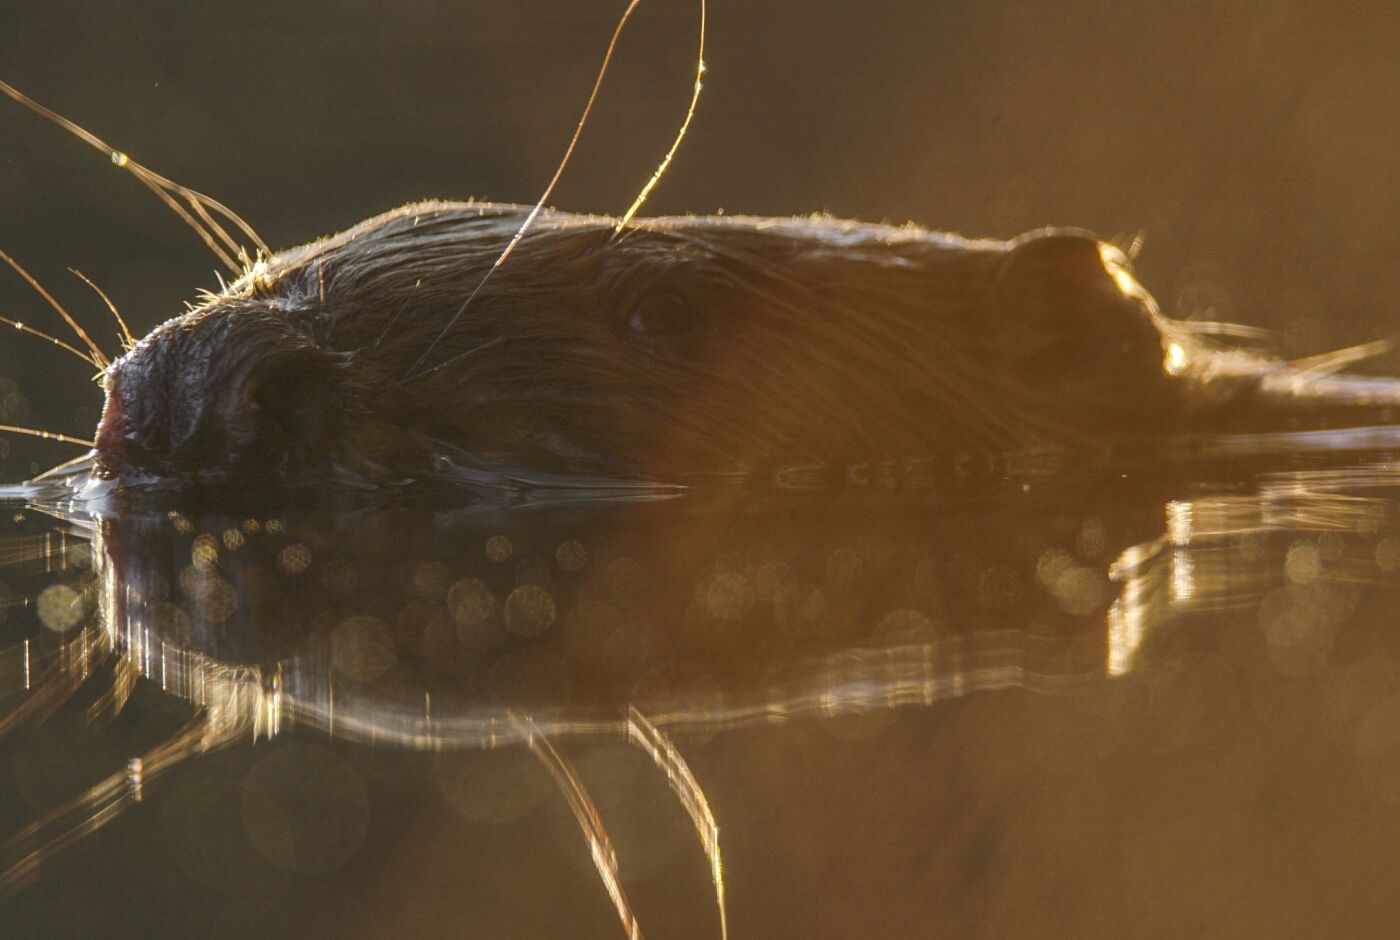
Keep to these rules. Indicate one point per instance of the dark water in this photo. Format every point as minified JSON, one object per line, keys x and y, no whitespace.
{"x":1069,"y":708}
{"x":1255,"y":144}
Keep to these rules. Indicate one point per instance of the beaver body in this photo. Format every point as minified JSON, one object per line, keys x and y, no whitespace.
{"x":674,"y":347}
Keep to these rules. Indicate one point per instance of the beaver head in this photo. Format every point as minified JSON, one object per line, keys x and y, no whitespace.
{"x":677,"y":346}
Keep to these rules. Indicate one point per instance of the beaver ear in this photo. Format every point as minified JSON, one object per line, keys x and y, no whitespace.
{"x":1051,"y":269}
{"x":1059,"y":305}
{"x":295,"y":400}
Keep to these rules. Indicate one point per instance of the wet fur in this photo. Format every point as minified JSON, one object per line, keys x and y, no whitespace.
{"x":780,"y":343}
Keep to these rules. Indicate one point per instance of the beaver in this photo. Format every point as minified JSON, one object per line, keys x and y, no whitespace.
{"x":678,"y":346}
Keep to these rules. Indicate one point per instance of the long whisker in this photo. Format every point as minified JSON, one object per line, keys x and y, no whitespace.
{"x":1329,"y":363}
{"x":47,"y":435}
{"x":98,"y":356}
{"x":128,"y":340}
{"x":25,"y":328}
{"x":164,"y":187}
{"x":680,"y":135}
{"x":202,"y":203}
{"x":544,"y":197}
{"x":208,"y":220}
{"x":455,"y":359}
{"x":204,"y":234}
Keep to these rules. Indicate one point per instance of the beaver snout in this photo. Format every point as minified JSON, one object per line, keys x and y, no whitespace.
{"x":238,"y":395}
{"x":111,"y":430}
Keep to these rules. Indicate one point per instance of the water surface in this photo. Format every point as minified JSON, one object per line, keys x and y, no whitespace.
{"x":1017,"y":706}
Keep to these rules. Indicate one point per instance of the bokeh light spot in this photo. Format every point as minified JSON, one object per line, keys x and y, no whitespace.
{"x":571,"y":555}
{"x":529,"y":610}
{"x":294,"y":559}
{"x":362,"y":648}
{"x":499,"y":548}
{"x":60,"y":607}
{"x":204,"y":555}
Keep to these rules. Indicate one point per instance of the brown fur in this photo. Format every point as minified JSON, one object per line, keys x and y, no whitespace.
{"x":679,"y":346}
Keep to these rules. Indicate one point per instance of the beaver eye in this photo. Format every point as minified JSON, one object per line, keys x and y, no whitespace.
{"x":663,"y":317}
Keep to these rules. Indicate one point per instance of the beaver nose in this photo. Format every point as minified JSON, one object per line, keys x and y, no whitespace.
{"x":111,"y":430}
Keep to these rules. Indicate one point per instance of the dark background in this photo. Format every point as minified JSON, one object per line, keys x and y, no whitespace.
{"x":1255,"y":143}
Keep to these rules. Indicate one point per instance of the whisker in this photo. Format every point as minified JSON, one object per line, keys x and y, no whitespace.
{"x":160,"y":185}
{"x":203,"y":233}
{"x":1337,"y":360}
{"x":99,"y":358}
{"x":455,"y":359}
{"x":128,"y":340}
{"x":1130,"y":245}
{"x":544,"y":197}
{"x":216,"y":228}
{"x":1254,"y":334}
{"x":47,"y":435}
{"x":389,"y":325}
{"x":202,"y":202}
{"x":25,"y":328}
{"x":680,"y":135}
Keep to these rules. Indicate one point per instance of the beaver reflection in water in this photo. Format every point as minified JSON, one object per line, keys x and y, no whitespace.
{"x":678,"y":346}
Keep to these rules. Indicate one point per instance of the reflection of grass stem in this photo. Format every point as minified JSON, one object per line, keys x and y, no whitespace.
{"x":653,"y":740}
{"x":23,"y":855}
{"x":113,"y":699}
{"x":599,"y":845}
{"x":51,"y":678}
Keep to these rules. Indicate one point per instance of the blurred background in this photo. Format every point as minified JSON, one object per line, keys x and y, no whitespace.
{"x":1255,"y":143}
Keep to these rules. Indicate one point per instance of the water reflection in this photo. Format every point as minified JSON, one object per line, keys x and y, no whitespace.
{"x":1166,"y":620}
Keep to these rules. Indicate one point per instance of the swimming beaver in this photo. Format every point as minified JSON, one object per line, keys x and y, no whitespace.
{"x":678,"y":346}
